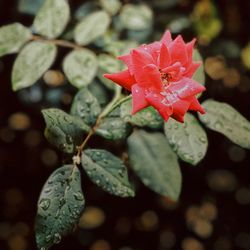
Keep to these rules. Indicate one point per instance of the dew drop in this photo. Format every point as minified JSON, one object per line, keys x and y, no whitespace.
{"x":202,"y":139}
{"x":44,"y":204}
{"x":48,"y":238}
{"x":78,"y":196}
{"x":57,"y":238}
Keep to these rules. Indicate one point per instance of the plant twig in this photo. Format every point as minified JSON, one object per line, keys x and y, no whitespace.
{"x":104,"y":113}
{"x":62,"y":43}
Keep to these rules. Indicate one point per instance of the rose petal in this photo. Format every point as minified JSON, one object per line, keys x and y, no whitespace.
{"x":166,"y":38}
{"x":180,"y":107}
{"x":146,"y":73}
{"x":150,"y":77}
{"x":189,"y":49}
{"x":164,"y":57}
{"x":192,"y":68}
{"x":175,"y":71}
{"x":195,"y":105}
{"x":123,"y":78}
{"x":178,"y":51}
{"x":153,"y":49}
{"x":161,"y":104}
{"x":138,"y":99}
{"x":186,"y":87}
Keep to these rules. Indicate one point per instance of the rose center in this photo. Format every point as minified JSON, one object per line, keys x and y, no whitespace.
{"x":166,"y":78}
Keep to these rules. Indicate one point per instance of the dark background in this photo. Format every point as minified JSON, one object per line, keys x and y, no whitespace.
{"x":213,"y":211}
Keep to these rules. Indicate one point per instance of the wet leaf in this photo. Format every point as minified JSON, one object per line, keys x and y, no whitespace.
{"x":31,"y":63}
{"x":199,"y":75}
{"x":80,"y":67}
{"x":155,"y":163}
{"x":60,"y":205}
{"x":13,"y":37}
{"x":188,"y":139}
{"x":147,"y":117}
{"x":52,"y":18}
{"x":107,"y":171}
{"x":85,"y":106}
{"x":63,"y":130}
{"x":108,"y":64}
{"x":120,"y":47}
{"x":111,"y":6}
{"x":136,"y":17}
{"x":30,"y":7}
{"x":91,"y":27}
{"x":223,"y":118}
{"x":113,"y":127}
{"x":99,"y":91}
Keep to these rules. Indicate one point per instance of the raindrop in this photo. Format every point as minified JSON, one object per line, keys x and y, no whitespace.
{"x":44,"y":204}
{"x":69,"y":139}
{"x":202,"y":139}
{"x":218,"y":125}
{"x":121,"y":173}
{"x":48,"y":237}
{"x":57,"y":238}
{"x":78,"y":196}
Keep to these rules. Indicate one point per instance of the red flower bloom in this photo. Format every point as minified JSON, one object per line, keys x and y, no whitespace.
{"x":159,"y":74}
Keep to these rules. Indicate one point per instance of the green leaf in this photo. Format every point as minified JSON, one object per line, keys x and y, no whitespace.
{"x":80,"y":67}
{"x":52,"y":18}
{"x":84,"y":9}
{"x":155,"y":163}
{"x":113,"y":128}
{"x":30,"y":7}
{"x":13,"y":37}
{"x":223,"y":118}
{"x":147,"y":117}
{"x":188,"y":139}
{"x":136,"y":17}
{"x":199,"y":74}
{"x":31,"y":63}
{"x":91,"y":27}
{"x":111,"y":6}
{"x":99,"y":91}
{"x":120,"y":47}
{"x":60,"y":205}
{"x":63,"y":130}
{"x":107,"y":171}
{"x":85,"y":106}
{"x":107,"y":64}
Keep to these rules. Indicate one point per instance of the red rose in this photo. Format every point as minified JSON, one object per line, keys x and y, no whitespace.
{"x":159,"y":74}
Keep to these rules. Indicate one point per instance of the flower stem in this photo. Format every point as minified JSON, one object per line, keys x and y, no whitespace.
{"x":104,"y":113}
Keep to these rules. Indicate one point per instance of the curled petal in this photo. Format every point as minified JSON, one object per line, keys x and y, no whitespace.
{"x":175,"y":71}
{"x":195,"y":105}
{"x":186,"y":87}
{"x":180,"y":108}
{"x":164,"y":57}
{"x":128,"y":61}
{"x":192,"y":68}
{"x":189,"y":49}
{"x":178,"y":51}
{"x":161,"y":104}
{"x":166,"y":38}
{"x":150,"y":77}
{"x":138,"y":99}
{"x":153,"y":49}
{"x":178,"y":117}
{"x":123,"y":78}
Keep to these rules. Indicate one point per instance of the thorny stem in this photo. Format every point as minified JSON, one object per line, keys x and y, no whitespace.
{"x":105,"y":112}
{"x":61,"y":43}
